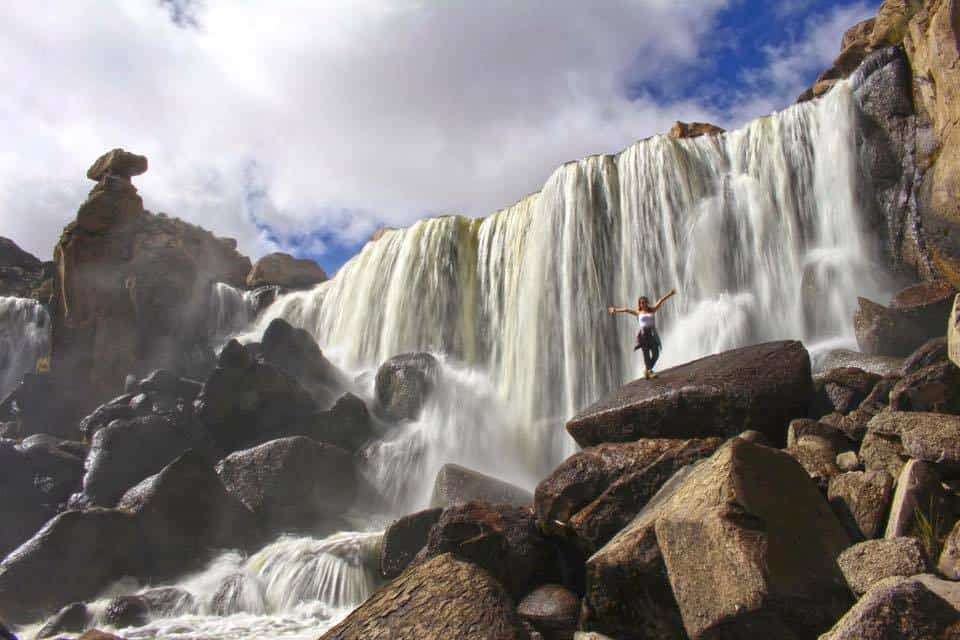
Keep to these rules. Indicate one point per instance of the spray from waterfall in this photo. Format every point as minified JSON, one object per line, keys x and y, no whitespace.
{"x":24,"y":339}
{"x":761,"y":231}
{"x":230,"y":311}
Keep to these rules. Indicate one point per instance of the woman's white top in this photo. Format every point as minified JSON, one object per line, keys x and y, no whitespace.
{"x":646,"y":320}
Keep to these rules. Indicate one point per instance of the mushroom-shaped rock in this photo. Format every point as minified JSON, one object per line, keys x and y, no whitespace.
{"x":117,"y":163}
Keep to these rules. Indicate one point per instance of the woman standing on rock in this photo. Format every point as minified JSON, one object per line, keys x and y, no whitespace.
{"x":647,"y":337}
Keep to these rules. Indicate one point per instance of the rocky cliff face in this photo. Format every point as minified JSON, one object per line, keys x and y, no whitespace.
{"x":906,"y":65}
{"x":131,"y":286}
{"x":22,"y":275}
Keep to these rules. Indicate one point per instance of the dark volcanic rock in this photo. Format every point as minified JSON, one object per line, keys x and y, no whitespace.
{"x":73,"y":618}
{"x":127,"y":451}
{"x":599,"y":490}
{"x":404,"y":539}
{"x":403,"y":384}
{"x":719,"y":395}
{"x":245,"y":403}
{"x":296,"y":352}
{"x":463,"y":601}
{"x":346,"y":424}
{"x":73,"y":558}
{"x":458,"y":485}
{"x":739,"y":545}
{"x":185,"y":513}
{"x":291,"y":484}
{"x":503,"y":539}
{"x":553,"y":610}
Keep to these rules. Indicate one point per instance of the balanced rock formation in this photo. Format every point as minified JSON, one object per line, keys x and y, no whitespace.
{"x":131,"y":288}
{"x":283,"y":270}
{"x":720,"y":395}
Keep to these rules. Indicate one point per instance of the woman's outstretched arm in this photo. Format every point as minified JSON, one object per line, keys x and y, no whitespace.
{"x":614,"y":310}
{"x":672,"y":293}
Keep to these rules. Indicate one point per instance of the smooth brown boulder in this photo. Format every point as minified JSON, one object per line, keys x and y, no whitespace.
{"x":720,"y":395}
{"x":55,"y":567}
{"x":553,"y":610}
{"x":897,"y":608}
{"x":291,"y":484}
{"x":282,"y":269}
{"x":860,"y":499}
{"x":404,"y":539}
{"x":741,"y":543}
{"x":930,"y":352}
{"x":869,"y":562}
{"x":888,"y":331}
{"x":444,"y":597}
{"x":458,"y":485}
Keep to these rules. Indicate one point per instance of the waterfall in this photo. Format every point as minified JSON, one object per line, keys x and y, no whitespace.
{"x":295,"y":588}
{"x":760,"y":230}
{"x":230,"y":311}
{"x":24,"y":339}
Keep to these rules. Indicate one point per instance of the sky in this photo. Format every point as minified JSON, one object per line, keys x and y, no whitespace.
{"x":305,"y":126}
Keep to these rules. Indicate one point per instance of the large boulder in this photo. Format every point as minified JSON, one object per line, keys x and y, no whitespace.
{"x":127,"y":451}
{"x":841,"y":390}
{"x":347,"y":424}
{"x":131,"y":289}
{"x":283,"y":270}
{"x":861,"y":500}
{"x":403,"y":384}
{"x":869,"y":562}
{"x":920,"y":506}
{"x":291,"y":484}
{"x":720,"y":395}
{"x":740,"y":545}
{"x":73,"y":558}
{"x":933,"y":437}
{"x":503,"y":539}
{"x":901,"y":608}
{"x":73,"y":618}
{"x":185,"y":513}
{"x":245,"y":403}
{"x":598,"y":491}
{"x":681,"y":130}
{"x":445,"y":597}
{"x":915,"y":315}
{"x":296,"y":352}
{"x":935,"y":388}
{"x":457,"y":485}
{"x":933,"y":351}
{"x":404,"y":539}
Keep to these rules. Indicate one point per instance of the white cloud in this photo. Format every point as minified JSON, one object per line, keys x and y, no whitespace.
{"x":345,"y":114}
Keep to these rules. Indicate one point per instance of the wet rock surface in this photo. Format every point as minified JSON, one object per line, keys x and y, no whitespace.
{"x":459,"y":485}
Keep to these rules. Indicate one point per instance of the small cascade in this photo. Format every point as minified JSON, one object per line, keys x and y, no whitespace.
{"x":231,"y":310}
{"x":24,"y":339}
{"x":294,"y":588}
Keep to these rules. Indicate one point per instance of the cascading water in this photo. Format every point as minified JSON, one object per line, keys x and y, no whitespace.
{"x":295,"y":588}
{"x":760,"y":230}
{"x":24,"y":339}
{"x":230,"y":311}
